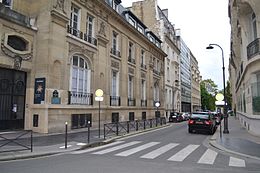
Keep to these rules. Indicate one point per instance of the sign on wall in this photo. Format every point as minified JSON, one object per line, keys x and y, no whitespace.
{"x":39,"y":90}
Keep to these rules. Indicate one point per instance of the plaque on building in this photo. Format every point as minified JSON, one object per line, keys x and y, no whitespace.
{"x":55,"y":97}
{"x":39,"y":90}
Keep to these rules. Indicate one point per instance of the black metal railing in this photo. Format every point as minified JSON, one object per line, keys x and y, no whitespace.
{"x":155,"y":71}
{"x":80,"y":98}
{"x":131,"y":102}
{"x":81,"y":35}
{"x":121,"y":128}
{"x":143,"y":66}
{"x":132,"y":60}
{"x":143,"y":103}
{"x":16,"y":141}
{"x":115,"y":101}
{"x":253,"y":49}
{"x":115,"y":52}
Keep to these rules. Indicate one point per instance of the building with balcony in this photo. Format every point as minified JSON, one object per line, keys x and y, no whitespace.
{"x":195,"y":85}
{"x":157,"y":20}
{"x":55,"y":55}
{"x":244,"y":66}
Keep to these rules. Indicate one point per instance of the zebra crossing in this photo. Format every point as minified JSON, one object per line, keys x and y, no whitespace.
{"x":130,"y":148}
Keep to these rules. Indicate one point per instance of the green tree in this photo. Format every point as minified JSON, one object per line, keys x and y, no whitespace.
{"x":229,"y":95}
{"x":208,"y":91}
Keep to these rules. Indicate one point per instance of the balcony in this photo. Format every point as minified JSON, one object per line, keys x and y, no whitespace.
{"x":253,"y":49}
{"x":115,"y":52}
{"x":81,"y":35}
{"x":155,"y":71}
{"x":115,"y":101}
{"x":143,"y":66}
{"x":80,"y":98}
{"x":131,"y":102}
{"x":132,"y":60}
{"x":143,"y":103}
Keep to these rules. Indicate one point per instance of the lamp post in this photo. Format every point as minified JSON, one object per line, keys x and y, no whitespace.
{"x":99,"y":97}
{"x":225,"y":101}
{"x":157,"y":105}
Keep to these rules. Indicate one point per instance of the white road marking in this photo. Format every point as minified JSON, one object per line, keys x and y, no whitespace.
{"x":117,"y":147}
{"x":137,"y":149}
{"x":236,"y":162}
{"x":159,"y":151}
{"x":208,"y":157}
{"x":97,"y":148}
{"x":181,"y":155}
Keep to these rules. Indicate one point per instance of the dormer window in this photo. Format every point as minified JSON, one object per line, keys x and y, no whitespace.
{"x":7,"y":3}
{"x":140,"y":29}
{"x":132,"y":21}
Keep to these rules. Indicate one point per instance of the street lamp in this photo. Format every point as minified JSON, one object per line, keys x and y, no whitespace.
{"x":99,"y":97}
{"x":225,"y":98}
{"x":157,"y":105}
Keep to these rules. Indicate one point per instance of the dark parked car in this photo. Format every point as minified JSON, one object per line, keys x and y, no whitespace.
{"x":202,"y":122}
{"x":175,"y":117}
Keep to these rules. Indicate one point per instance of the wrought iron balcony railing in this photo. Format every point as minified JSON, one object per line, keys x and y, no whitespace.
{"x":115,"y":101}
{"x":81,"y":35}
{"x":80,"y":98}
{"x":253,"y":49}
{"x":132,"y":60}
{"x":131,"y":102}
{"x":115,"y":52}
{"x":143,"y":103}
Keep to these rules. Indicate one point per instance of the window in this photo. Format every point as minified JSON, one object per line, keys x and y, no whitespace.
{"x":142,"y":57}
{"x":7,"y":3}
{"x":80,"y":78}
{"x":90,"y":26}
{"x":115,"y":117}
{"x":143,"y":89}
{"x":114,"y":84}
{"x":156,"y":92}
{"x":80,"y":120}
{"x":130,"y":50}
{"x":254,"y":28}
{"x":131,"y":21}
{"x":168,"y":74}
{"x":140,"y":28}
{"x":74,"y":19}
{"x":114,"y":41}
{"x":130,"y":87}
{"x":131,"y":116}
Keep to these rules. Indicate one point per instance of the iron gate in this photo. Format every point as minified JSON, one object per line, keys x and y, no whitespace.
{"x":12,"y":99}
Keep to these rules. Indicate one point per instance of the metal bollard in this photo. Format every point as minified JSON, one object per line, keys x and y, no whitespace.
{"x":66,"y":134}
{"x":88,"y":131}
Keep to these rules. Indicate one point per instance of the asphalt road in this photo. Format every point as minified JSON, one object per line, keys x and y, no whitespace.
{"x":165,"y":150}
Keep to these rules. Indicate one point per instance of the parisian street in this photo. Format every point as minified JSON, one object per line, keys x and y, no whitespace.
{"x":169,"y":149}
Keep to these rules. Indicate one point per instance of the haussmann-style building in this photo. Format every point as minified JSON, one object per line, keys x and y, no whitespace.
{"x":56,"y":53}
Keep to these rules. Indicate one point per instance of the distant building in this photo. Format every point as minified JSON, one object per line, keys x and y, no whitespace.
{"x":157,"y":20}
{"x":195,"y":85}
{"x":244,"y":66}
{"x":56,"y":54}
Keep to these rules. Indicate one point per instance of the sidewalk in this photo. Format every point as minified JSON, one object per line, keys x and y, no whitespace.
{"x":238,"y":141}
{"x":44,"y":145}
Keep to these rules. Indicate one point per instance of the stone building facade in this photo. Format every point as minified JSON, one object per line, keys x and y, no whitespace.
{"x":244,"y":66}
{"x":157,"y":20}
{"x":57,"y":53}
{"x":195,"y":85}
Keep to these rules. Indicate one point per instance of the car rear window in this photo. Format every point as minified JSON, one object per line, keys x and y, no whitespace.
{"x":201,"y":116}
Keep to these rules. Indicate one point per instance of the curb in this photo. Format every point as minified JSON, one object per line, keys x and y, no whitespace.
{"x":213,"y":142}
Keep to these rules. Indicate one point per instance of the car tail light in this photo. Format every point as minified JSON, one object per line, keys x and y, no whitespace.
{"x":190,"y":121}
{"x":208,"y":122}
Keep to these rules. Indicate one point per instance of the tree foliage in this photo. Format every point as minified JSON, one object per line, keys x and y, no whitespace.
{"x":208,"y":91}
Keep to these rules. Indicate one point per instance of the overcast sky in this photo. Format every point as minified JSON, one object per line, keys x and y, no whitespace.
{"x":202,"y":22}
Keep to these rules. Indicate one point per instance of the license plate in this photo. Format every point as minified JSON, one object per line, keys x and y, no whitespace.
{"x":199,"y":122}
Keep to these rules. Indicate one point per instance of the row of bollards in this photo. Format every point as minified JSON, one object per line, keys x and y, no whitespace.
{"x":66,"y":134}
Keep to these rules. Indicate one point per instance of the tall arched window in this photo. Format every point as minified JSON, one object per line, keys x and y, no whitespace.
{"x":80,"y":81}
